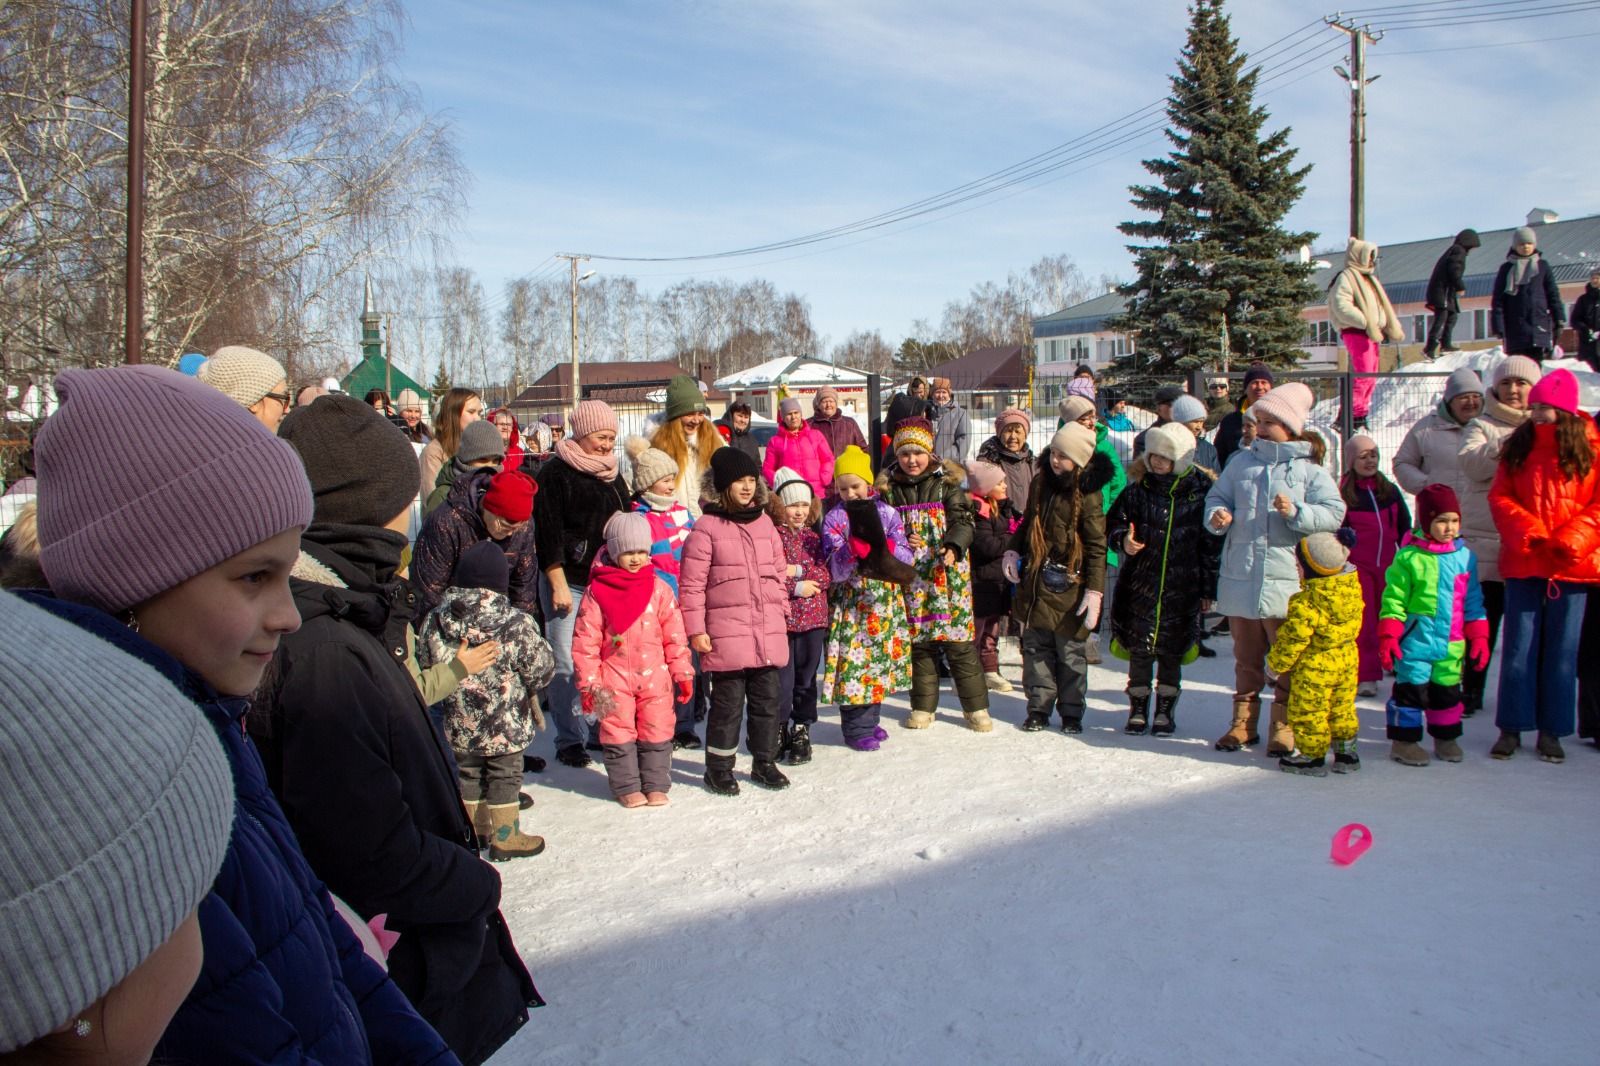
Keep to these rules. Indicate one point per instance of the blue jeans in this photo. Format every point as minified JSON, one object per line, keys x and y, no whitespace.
{"x":565,"y":706}
{"x":1540,"y":635}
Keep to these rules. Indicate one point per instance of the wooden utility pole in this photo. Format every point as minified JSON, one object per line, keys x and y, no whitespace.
{"x":1356,"y":76}
{"x":133,"y":340}
{"x":577,"y":393}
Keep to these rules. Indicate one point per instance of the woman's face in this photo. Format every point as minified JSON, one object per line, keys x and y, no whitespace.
{"x":691,"y":423}
{"x":471,"y":411}
{"x":1014,"y":436}
{"x":1525,"y":248}
{"x":1060,"y":463}
{"x":741,"y":420}
{"x":506,"y":425}
{"x":850,"y":487}
{"x":225,"y":623}
{"x":500,"y":528}
{"x":1466,"y":406}
{"x":793,"y":420}
{"x":412,"y":416}
{"x":914,"y":461}
{"x":1086,"y":420}
{"x":600,"y":442}
{"x":1269,"y":428}
{"x":1366,"y":463}
{"x":270,"y":409}
{"x":1513,"y":392}
{"x":741,"y":492}
{"x":828,"y":408}
{"x":1542,"y":414}
{"x":941,"y":396}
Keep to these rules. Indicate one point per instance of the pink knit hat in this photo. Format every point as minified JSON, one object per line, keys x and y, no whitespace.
{"x":591,"y":416}
{"x":1558,"y":389}
{"x":1289,"y":404}
{"x":983,"y":476}
{"x":119,"y":525}
{"x":1013,"y":414}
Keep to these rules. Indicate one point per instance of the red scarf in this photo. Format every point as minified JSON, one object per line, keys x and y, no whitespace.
{"x":622,"y":596}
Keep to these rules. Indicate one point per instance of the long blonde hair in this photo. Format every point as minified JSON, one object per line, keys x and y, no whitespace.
{"x":671,"y":439}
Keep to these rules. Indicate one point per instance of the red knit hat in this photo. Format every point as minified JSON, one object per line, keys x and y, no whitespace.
{"x":1434,"y":501}
{"x":510,"y":495}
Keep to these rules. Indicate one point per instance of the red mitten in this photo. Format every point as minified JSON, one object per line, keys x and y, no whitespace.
{"x":685,"y":690}
{"x":727,"y":434}
{"x":1477,"y":634}
{"x":859,"y":548}
{"x":1389,"y":631}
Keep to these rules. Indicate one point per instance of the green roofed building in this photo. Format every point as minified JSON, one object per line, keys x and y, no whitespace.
{"x":372,"y":372}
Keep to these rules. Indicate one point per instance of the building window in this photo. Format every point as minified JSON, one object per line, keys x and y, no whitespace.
{"x":1078,"y":350}
{"x":1322,"y":334}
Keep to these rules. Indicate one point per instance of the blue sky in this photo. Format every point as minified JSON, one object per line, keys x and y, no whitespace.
{"x":682,"y":127}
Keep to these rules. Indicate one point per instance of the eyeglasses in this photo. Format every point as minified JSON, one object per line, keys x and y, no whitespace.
{"x":281,"y":397}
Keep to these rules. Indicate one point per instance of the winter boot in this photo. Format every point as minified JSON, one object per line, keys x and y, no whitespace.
{"x":1280,"y":738}
{"x":1246,"y":715}
{"x":1345,"y":759}
{"x":785,"y":738}
{"x":1035,"y":722}
{"x":918,"y":720}
{"x":1296,"y":763}
{"x":1138,"y":714}
{"x":1447,"y":750}
{"x":979,"y":722}
{"x":1367,"y":689}
{"x":1506,"y":746}
{"x":720,"y":780}
{"x":1549,"y":748}
{"x":995,"y":682}
{"x":866,"y":743}
{"x":799,"y":744}
{"x":1408,"y":753}
{"x":631,"y":800}
{"x":685,"y":740}
{"x":1164,"y":725}
{"x":1072,"y":726}
{"x":478,"y":814}
{"x":766,"y":774}
{"x":655,"y":799}
{"x":508,"y":840}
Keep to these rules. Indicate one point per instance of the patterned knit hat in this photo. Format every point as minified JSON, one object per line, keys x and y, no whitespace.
{"x":592,"y":416}
{"x":150,"y":827}
{"x":915,"y":434}
{"x":1326,"y":554}
{"x":118,"y":525}
{"x":1081,"y":387}
{"x":242,"y":374}
{"x":854,"y":463}
{"x":790,"y":487}
{"x":650,"y":465}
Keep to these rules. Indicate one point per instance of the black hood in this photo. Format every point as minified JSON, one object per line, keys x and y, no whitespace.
{"x":1468,"y":239}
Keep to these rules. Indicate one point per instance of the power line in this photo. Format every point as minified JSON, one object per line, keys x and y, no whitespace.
{"x":1494,"y":44}
{"x":1431,"y":22}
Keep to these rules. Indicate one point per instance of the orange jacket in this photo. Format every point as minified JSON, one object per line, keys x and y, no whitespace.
{"x":1549,"y":523}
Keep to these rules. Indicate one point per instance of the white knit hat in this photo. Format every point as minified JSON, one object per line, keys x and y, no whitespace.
{"x":242,"y":374}
{"x":791,"y":487}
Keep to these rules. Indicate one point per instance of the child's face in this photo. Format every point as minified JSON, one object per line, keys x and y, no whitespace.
{"x":1196,"y":426}
{"x":914,"y":461}
{"x":1060,"y":463}
{"x":1445,"y":528}
{"x":633,"y":562}
{"x":998,"y":493}
{"x":1366,"y":463}
{"x":795,"y":514}
{"x":741,"y":492}
{"x":1542,"y":414}
{"x":1158,"y":464}
{"x":1269,"y":428}
{"x":225,"y":623}
{"x":850,"y":487}
{"x":663,"y":486}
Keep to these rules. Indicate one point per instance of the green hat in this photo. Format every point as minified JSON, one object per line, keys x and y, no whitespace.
{"x":683,"y":397}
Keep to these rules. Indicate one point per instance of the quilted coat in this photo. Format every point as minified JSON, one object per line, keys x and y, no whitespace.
{"x":456,"y":526}
{"x":1479,"y":460}
{"x":731,"y":587}
{"x":1432,"y":589}
{"x":495,"y":711}
{"x":992,"y":527}
{"x":1074,"y":532}
{"x":1430,"y":452}
{"x":1531,"y":317}
{"x":806,"y":452}
{"x":1157,"y":606}
{"x":670,"y":522}
{"x":803,"y":547}
{"x":642,"y":664}
{"x":1549,"y":524}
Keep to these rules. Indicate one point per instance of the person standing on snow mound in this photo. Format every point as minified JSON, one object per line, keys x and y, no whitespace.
{"x":1525,"y":309}
{"x":1586,"y":320}
{"x":1359,"y":308}
{"x":1445,"y":286}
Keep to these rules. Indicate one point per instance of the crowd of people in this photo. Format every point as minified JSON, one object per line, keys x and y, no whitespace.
{"x":326,"y":630}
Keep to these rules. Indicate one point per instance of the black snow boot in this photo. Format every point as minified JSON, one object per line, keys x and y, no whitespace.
{"x":1071,"y":726}
{"x":1345,"y":759}
{"x":685,"y":740}
{"x":799,"y":744}
{"x":767,"y":775}
{"x":1295,"y":763}
{"x":573,"y":755}
{"x":1035,"y":722}
{"x":1138,"y":714}
{"x":720,"y":780}
{"x":1164,"y":726}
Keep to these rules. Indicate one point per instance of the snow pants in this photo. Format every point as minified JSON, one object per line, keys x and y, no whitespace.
{"x":1363,"y":360}
{"x":986,"y":638}
{"x":1539,"y":664}
{"x":646,"y":717}
{"x":1439,"y":330}
{"x":735,"y":695}
{"x":1055,"y":673}
{"x":797,"y":679}
{"x":493,"y":779}
{"x":1412,"y":704}
{"x":964,"y":671}
{"x":1144,"y":668}
{"x":859,"y":720}
{"x":1322,"y":704}
{"x":1369,"y":666}
{"x":638,"y":767}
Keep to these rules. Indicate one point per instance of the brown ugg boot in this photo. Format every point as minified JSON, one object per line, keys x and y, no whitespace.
{"x":1408,"y":753}
{"x":478,"y":814}
{"x":1280,"y":738}
{"x":979,"y":721}
{"x":508,"y":840}
{"x":1246,"y":715}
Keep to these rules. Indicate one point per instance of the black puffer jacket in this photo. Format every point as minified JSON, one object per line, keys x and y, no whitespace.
{"x":1445,"y":283}
{"x":364,"y":780}
{"x":1157,"y":607}
{"x":991,"y":536}
{"x":569,"y":518}
{"x":1074,"y":535}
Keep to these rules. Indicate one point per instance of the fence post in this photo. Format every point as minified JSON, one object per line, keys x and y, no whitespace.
{"x":1346,"y":401}
{"x":874,"y":421}
{"x":1197,"y":384}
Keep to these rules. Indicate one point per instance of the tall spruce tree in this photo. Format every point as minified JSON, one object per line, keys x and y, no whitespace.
{"x":1216,"y":252}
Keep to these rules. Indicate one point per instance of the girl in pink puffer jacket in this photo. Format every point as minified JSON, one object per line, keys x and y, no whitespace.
{"x":630,"y":658}
{"x":731,"y":590}
{"x":801,"y":447}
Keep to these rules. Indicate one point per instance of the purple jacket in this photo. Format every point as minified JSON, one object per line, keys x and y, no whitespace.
{"x":731,"y":588}
{"x":836,"y":539}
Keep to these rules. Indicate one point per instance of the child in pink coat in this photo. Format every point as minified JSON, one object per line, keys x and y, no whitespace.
{"x":630,"y":658}
{"x":801,"y":447}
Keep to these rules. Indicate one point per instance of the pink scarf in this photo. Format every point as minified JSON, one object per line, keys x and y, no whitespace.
{"x":603,"y":467}
{"x":622,"y":596}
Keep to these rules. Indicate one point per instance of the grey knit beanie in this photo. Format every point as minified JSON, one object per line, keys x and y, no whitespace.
{"x":242,"y":374}
{"x":119,"y":524}
{"x":98,"y":869}
{"x":362,"y":468}
{"x":1187,"y":408}
{"x":1463,"y":381}
{"x":480,"y":440}
{"x":650,"y":465}
{"x":1525,"y":235}
{"x":627,"y":531}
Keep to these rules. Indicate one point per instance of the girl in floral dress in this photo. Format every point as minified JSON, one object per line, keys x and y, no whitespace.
{"x":937,"y":516}
{"x":868,"y":654}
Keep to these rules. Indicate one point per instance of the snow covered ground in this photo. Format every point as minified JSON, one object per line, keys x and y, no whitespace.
{"x":1034,"y":897}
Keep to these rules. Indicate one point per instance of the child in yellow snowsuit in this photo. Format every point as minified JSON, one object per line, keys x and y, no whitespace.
{"x":1318,"y":642}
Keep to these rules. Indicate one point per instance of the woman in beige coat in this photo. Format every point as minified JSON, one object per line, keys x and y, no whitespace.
{"x":1360,"y":310}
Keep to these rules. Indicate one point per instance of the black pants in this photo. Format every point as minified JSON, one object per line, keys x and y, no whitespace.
{"x":495,"y":779}
{"x":1444,"y":321}
{"x":1494,"y":605}
{"x":1424,"y":698}
{"x":736,"y":694}
{"x":797,"y":682}
{"x":1144,"y":667}
{"x":1589,"y":671}
{"x":964,"y":670}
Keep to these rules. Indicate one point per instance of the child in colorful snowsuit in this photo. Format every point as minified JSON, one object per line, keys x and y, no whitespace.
{"x":655,"y":477}
{"x":1431,"y":621}
{"x":1316,"y":643}
{"x":491,"y":717}
{"x":732,"y":594}
{"x":1057,"y":560}
{"x":868,"y":654}
{"x":994,"y":519}
{"x":1376,"y":510}
{"x":796,"y":511}
{"x":937,"y":518}
{"x":1169,"y":572}
{"x":631,"y":658}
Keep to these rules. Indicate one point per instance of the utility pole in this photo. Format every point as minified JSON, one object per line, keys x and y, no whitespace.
{"x":1356,"y":76}
{"x":133,"y":340}
{"x":577,"y":392}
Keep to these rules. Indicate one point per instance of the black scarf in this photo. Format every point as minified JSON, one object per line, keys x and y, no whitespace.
{"x":372,"y":552}
{"x":743,"y":516}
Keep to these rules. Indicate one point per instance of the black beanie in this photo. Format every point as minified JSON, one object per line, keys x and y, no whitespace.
{"x":363,"y":471}
{"x":482,"y":566}
{"x":729,"y":465}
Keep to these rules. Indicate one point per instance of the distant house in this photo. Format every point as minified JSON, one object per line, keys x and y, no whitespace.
{"x":635,"y":389}
{"x":988,"y":379}
{"x":768,"y":384}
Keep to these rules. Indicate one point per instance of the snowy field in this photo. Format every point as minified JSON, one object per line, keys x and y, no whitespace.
{"x":1034,"y":897}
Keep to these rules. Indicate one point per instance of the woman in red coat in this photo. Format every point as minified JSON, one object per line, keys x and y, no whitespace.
{"x":1546,"y":505}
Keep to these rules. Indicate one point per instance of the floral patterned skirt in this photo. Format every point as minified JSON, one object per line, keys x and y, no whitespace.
{"x":939,"y":601}
{"x":868,"y":654}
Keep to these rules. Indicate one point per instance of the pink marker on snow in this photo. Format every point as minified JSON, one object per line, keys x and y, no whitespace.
{"x":1350,"y":843}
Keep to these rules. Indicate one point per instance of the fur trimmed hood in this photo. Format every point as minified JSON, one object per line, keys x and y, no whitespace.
{"x":709,"y":493}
